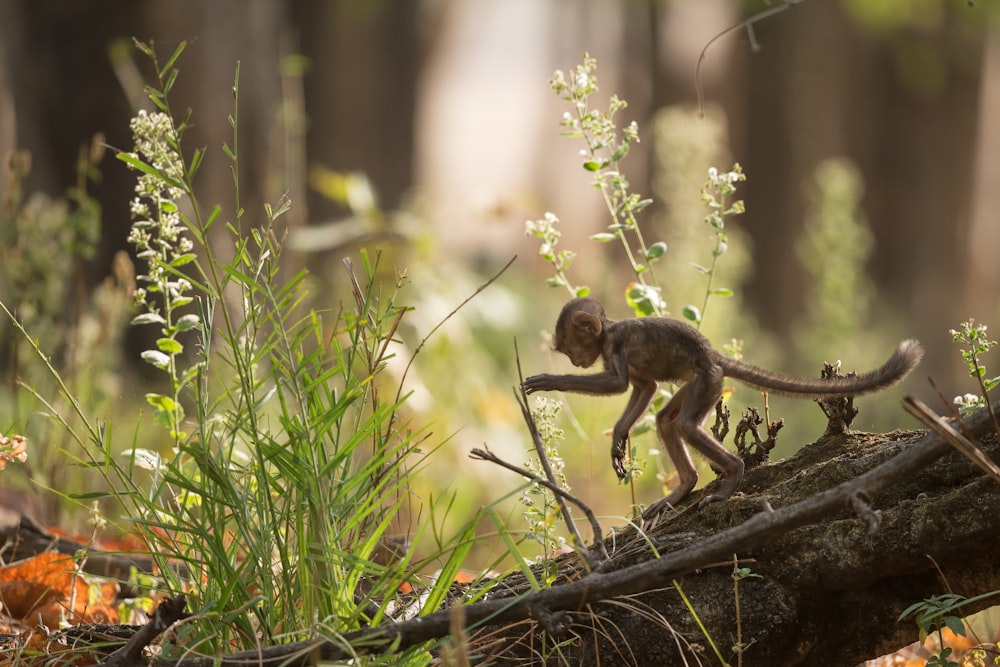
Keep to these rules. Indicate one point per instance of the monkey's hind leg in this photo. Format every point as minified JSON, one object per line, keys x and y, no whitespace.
{"x":679,"y":457}
{"x":680,"y":422}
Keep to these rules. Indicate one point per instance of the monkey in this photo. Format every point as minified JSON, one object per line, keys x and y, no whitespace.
{"x":646,"y":350}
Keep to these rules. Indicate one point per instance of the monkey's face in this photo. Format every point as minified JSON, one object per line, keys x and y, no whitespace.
{"x":580,"y":332}
{"x":581,"y":346}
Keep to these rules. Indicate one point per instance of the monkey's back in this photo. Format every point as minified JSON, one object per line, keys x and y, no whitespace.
{"x":660,"y":348}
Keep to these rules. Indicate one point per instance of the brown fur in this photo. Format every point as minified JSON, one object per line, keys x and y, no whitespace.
{"x":644,"y":351}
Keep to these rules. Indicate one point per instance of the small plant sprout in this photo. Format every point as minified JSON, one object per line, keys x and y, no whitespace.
{"x":718,"y":189}
{"x":605,"y":148}
{"x":974,"y":336}
{"x":545,"y":230}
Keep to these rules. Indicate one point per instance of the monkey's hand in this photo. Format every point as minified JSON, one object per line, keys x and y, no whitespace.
{"x":543,"y":382}
{"x":618,"y":446}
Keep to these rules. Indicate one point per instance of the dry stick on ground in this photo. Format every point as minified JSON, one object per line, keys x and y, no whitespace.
{"x":167,"y":613}
{"x":757,"y":530}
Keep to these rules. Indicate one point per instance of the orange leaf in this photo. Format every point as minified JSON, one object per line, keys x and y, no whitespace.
{"x":48,"y":588}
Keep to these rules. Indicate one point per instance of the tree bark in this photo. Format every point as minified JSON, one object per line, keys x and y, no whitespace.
{"x":825,"y":593}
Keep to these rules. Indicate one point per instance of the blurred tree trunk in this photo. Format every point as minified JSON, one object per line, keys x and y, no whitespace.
{"x":60,"y":92}
{"x":360,"y":91}
{"x":823,"y":85}
{"x":60,"y":88}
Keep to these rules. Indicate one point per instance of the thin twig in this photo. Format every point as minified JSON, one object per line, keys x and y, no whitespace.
{"x":746,"y":23}
{"x":447,"y":317}
{"x":487,"y":455}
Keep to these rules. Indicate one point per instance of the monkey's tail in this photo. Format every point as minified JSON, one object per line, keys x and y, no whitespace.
{"x":903,"y":360}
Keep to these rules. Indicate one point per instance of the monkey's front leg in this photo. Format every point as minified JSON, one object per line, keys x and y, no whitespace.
{"x":642,"y":394}
{"x":608,"y":382}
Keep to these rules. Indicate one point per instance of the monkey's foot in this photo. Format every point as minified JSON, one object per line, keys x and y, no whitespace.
{"x":714,"y":498}
{"x":729,"y":486}
{"x":671,"y":501}
{"x":656,"y":508}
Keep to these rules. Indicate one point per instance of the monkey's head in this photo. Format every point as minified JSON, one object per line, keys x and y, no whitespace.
{"x":580,"y":331}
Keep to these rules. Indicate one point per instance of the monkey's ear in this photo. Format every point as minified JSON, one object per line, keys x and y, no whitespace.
{"x":588,"y":322}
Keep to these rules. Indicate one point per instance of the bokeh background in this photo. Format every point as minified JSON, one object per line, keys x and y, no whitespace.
{"x":426,"y":128}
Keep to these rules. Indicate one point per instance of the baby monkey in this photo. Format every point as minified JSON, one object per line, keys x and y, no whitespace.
{"x":643,"y":351}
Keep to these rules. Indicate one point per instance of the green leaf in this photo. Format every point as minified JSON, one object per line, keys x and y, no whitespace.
{"x":644,"y":299}
{"x":189,"y":375}
{"x":168,"y":84}
{"x":181,"y":260}
{"x":603,"y":237}
{"x":656,"y":250}
{"x":156,"y":358}
{"x":148,"y":318}
{"x":642,"y":427}
{"x":582,"y":291}
{"x":169,"y":346}
{"x":213,"y":216}
{"x":955,"y":624}
{"x":188,"y":322}
{"x":592,"y":165}
{"x":174,"y":56}
{"x":722,"y":291}
{"x":196,"y":158}
{"x":691,"y":313}
{"x":167,"y":418}
{"x":139,"y":165}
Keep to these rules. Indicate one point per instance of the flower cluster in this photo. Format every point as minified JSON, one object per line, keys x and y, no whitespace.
{"x":545,"y":230}
{"x":717,"y":189}
{"x":975,"y":336}
{"x":541,"y":511}
{"x":158,"y":234}
{"x":157,"y":229}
